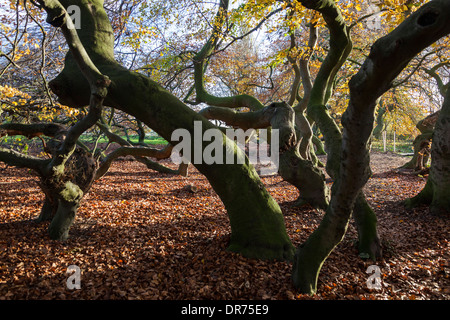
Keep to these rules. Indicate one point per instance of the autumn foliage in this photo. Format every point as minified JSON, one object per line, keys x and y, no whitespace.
{"x":142,"y":235}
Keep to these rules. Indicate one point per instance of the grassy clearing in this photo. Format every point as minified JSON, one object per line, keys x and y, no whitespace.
{"x":401,"y":146}
{"x":151,"y":140}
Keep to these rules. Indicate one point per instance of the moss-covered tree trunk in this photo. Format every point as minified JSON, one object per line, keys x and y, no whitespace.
{"x":422,"y":142}
{"x":141,"y":154}
{"x":300,"y":172}
{"x":436,"y":192}
{"x":256,"y":220}
{"x":369,"y":243}
{"x":64,"y":185}
{"x":321,"y":91}
{"x":64,"y":192}
{"x":295,"y":165}
{"x":388,"y":57}
{"x":380,"y":121}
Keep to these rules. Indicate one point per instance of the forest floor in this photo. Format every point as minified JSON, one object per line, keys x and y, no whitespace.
{"x":142,"y":235}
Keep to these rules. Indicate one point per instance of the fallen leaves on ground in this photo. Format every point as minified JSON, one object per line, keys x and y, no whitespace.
{"x":143,"y":235}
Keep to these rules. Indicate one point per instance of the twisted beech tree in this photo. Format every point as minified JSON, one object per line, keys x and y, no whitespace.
{"x":61,"y":179}
{"x":298,"y":164}
{"x":436,"y":192}
{"x":422,"y":142}
{"x":294,"y":129}
{"x":257,"y":224}
{"x":91,"y":76}
{"x":435,"y":131}
{"x":388,"y":56}
{"x":68,"y":175}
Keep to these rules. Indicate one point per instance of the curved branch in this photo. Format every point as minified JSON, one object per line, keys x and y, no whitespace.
{"x":131,"y":151}
{"x":302,"y":72}
{"x":277,"y":115}
{"x":158,"y":154}
{"x":33,"y":130}
{"x":432,"y":72}
{"x":200,"y":60}
{"x":17,"y":159}
{"x":301,"y":68}
{"x":340,"y":47}
{"x":244,"y":120}
{"x":58,"y":17}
